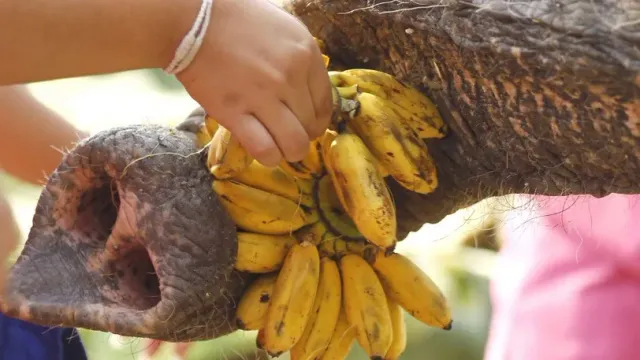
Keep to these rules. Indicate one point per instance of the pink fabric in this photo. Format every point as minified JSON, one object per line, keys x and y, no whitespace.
{"x":567,"y":286}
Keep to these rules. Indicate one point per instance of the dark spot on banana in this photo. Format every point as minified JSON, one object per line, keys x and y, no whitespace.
{"x":448,"y":326}
{"x":264,"y":298}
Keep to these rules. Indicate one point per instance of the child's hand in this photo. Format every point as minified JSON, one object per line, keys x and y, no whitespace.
{"x":260,"y":74}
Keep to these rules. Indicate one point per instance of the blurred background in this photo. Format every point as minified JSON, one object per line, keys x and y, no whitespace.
{"x":459,"y":252}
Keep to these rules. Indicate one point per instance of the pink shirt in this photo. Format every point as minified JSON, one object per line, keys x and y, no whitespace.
{"x":567,"y":285}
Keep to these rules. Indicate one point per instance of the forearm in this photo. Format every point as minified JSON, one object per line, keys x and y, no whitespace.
{"x":42,"y":39}
{"x":31,"y":135}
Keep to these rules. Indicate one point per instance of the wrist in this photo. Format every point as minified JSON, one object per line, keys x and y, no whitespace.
{"x":172,"y":20}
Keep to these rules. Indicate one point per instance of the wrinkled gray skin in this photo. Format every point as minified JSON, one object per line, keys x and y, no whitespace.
{"x":540,"y":96}
{"x":128,"y":237}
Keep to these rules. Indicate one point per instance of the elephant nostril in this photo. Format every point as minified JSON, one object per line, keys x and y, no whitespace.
{"x":132,"y":279}
{"x":129,"y":243}
{"x":106,"y":218}
{"x":97,"y":210}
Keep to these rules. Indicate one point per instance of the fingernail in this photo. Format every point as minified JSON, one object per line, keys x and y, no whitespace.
{"x":270,"y":161}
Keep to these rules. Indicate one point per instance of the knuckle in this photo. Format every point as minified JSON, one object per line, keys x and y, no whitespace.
{"x":296,"y":65}
{"x":304,"y":50}
{"x":279,"y":79}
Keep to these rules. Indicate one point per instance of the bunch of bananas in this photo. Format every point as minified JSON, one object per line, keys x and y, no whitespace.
{"x":321,"y":232}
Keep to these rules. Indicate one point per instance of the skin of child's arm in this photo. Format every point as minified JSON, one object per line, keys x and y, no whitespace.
{"x":31,"y":135}
{"x":9,"y":236}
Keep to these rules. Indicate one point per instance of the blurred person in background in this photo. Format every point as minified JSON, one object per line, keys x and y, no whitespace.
{"x":32,"y":138}
{"x":567,"y":282}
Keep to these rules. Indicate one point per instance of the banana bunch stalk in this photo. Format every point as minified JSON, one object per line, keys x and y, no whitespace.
{"x":321,"y":232}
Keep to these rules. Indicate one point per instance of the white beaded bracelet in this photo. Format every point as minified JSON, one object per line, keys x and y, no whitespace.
{"x":191,"y":43}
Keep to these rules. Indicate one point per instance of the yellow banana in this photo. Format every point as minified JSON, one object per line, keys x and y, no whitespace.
{"x":342,"y":107}
{"x":311,"y":166}
{"x":227,"y":158}
{"x":340,"y":248}
{"x":381,"y":169}
{"x":331,"y":211}
{"x":399,"y":342}
{"x":366,"y":306}
{"x":341,"y":340}
{"x":314,"y":233}
{"x":262,"y":253}
{"x":195,"y":124}
{"x":397,"y":147}
{"x":292,"y":300}
{"x":326,"y":60}
{"x":278,"y":182}
{"x":262,"y":212}
{"x":361,"y":189}
{"x":348,"y":92}
{"x":211,"y":124}
{"x":320,"y":44}
{"x":324,"y":314}
{"x":423,"y":115}
{"x":414,"y":290}
{"x":363,"y":249}
{"x":327,"y":247}
{"x":253,"y":305}
{"x":326,"y":140}
{"x":322,"y":47}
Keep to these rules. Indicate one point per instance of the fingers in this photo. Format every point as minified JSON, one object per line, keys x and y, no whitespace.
{"x":321,"y":97}
{"x":273,"y":133}
{"x":301,"y":105}
{"x":256,"y":139}
{"x":284,"y":107}
{"x":309,"y":97}
{"x":287,"y":131}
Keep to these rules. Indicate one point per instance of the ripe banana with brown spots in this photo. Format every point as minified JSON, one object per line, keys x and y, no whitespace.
{"x":315,"y":233}
{"x":399,"y":341}
{"x":331,"y":211}
{"x":419,"y":111}
{"x":276,"y":181}
{"x":394,"y":144}
{"x":324,"y":314}
{"x":308,"y":168}
{"x":252,"y":308}
{"x":342,"y":339}
{"x":414,"y":290}
{"x":211,"y":124}
{"x":366,"y":306}
{"x":263,"y":212}
{"x":227,"y":157}
{"x":361,"y":189}
{"x":292,"y":300}
{"x":262,"y":253}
